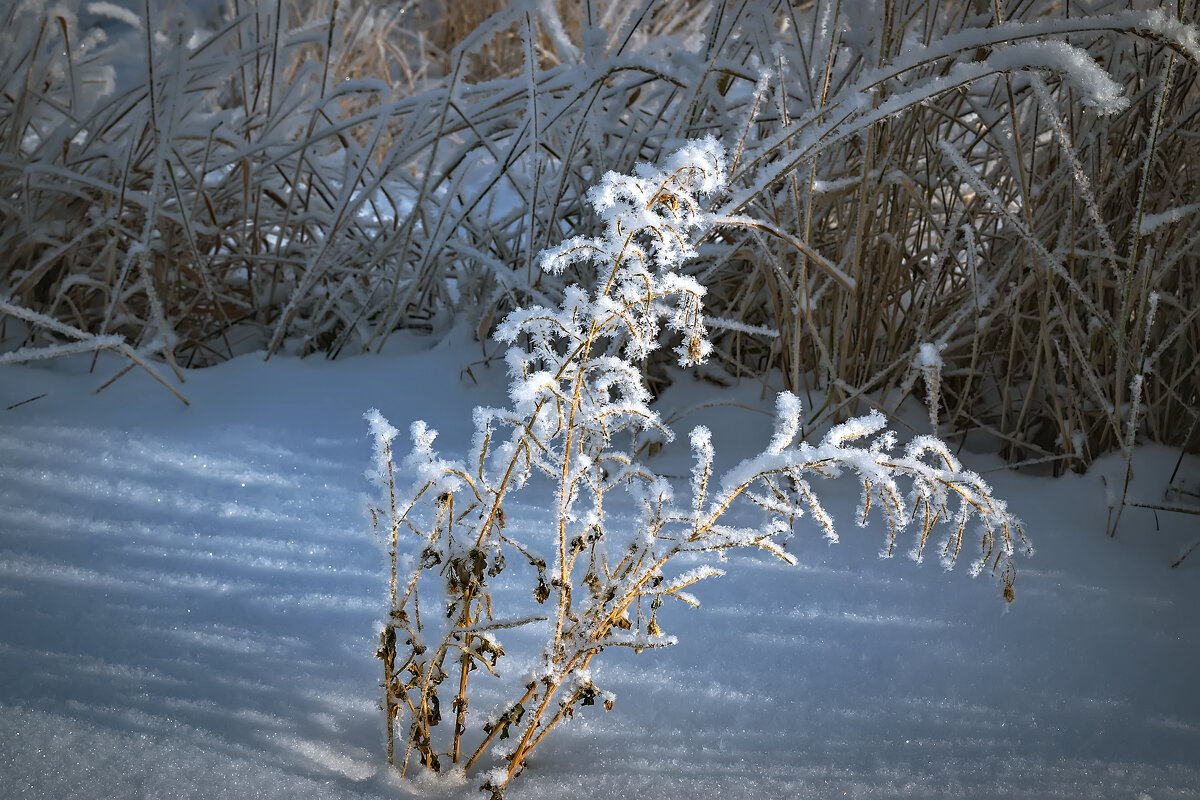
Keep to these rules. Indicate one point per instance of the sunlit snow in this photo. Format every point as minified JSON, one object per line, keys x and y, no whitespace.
{"x":189,"y":600}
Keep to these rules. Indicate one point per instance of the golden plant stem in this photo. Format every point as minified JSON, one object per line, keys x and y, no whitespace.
{"x":565,"y":489}
{"x":562,"y":712}
{"x":389,"y":662}
{"x":529,"y":690}
{"x":395,"y":543}
{"x":523,"y":748}
{"x":460,"y":702}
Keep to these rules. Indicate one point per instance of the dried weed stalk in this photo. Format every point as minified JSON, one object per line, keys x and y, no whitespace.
{"x":579,"y":415}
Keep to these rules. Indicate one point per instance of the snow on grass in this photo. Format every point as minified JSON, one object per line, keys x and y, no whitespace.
{"x":189,"y":599}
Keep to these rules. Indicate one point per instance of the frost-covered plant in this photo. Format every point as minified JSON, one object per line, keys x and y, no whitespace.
{"x":1012,"y":182}
{"x":579,"y":415}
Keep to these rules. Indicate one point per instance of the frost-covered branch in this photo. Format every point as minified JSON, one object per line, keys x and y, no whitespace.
{"x":578,"y":408}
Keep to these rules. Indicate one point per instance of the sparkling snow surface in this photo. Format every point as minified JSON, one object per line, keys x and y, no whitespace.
{"x":189,"y":600}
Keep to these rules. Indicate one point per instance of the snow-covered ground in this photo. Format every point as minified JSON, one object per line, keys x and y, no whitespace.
{"x":189,"y":600}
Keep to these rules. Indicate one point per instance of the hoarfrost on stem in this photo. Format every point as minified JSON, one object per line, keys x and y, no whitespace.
{"x":580,"y":418}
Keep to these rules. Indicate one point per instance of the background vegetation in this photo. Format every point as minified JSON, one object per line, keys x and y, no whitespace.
{"x":310,"y":177}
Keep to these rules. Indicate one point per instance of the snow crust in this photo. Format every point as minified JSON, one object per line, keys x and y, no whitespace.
{"x":188,"y":606}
